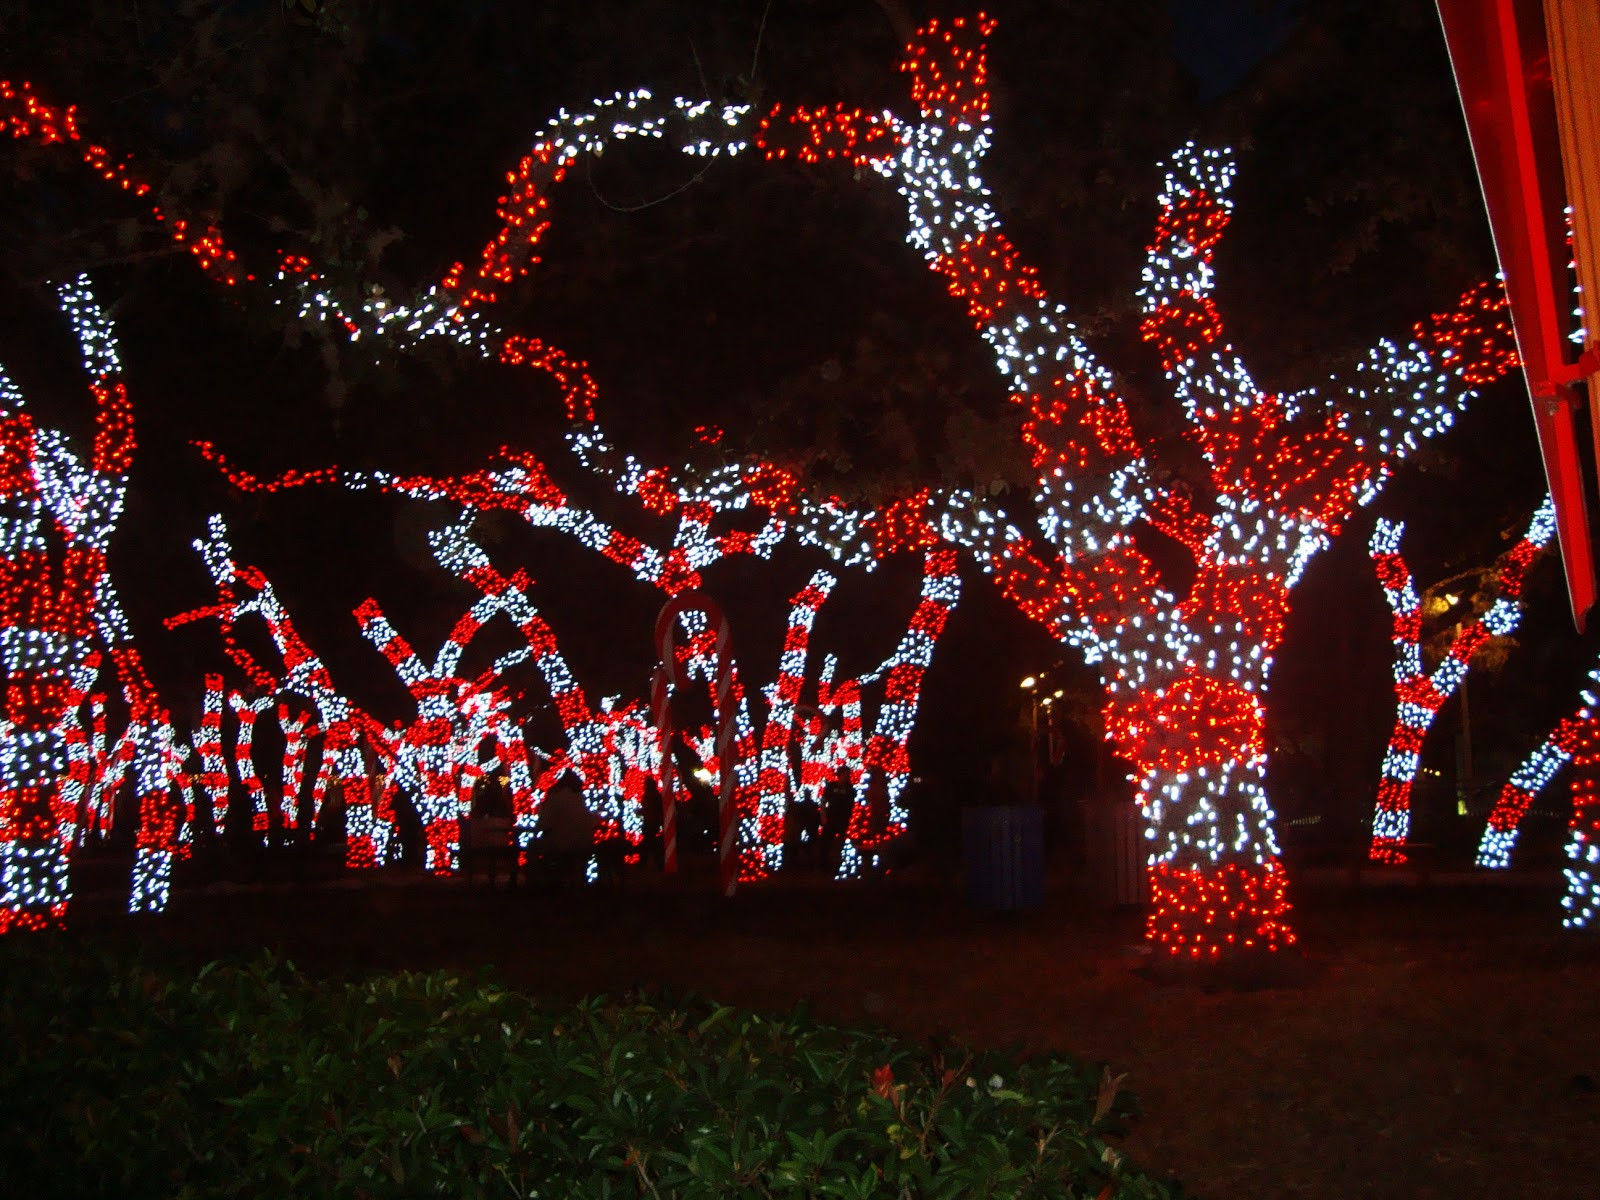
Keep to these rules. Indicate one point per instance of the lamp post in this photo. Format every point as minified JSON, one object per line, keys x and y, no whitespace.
{"x":1031,"y":686}
{"x":1464,"y":738}
{"x":1050,"y":750}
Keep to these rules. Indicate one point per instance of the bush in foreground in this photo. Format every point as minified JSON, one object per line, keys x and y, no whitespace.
{"x":126,"y":1077}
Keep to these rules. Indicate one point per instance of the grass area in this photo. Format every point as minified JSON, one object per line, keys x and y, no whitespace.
{"x":139,"y":1073}
{"x":1435,"y":1043}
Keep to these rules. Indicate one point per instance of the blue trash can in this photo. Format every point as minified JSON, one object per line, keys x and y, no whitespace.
{"x":1003,"y":856}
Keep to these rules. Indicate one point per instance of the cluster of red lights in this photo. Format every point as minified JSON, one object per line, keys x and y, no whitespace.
{"x":522,"y":225}
{"x":949,"y":70}
{"x":1473,"y":336}
{"x":1207,"y":913}
{"x":1198,"y":721}
{"x":837,"y":132}
{"x":986,"y":274}
{"x":27,"y":118}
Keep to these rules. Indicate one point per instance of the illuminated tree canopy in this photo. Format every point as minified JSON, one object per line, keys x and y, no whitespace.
{"x":1185,"y":668}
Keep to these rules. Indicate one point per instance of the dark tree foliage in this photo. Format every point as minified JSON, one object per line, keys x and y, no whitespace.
{"x":776,"y":301}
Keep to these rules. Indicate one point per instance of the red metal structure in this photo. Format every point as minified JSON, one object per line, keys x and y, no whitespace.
{"x":1524,"y":69}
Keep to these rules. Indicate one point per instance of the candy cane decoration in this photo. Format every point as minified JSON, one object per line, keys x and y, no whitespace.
{"x":244,"y":763}
{"x":666,"y":622}
{"x":88,"y":764}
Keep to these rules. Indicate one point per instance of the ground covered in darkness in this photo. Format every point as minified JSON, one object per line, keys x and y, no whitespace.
{"x":1438,"y":1040}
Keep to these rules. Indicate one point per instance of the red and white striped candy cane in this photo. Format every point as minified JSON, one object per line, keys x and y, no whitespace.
{"x":667,"y":677}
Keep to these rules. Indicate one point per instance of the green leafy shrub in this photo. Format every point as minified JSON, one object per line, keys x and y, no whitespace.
{"x":124,"y":1077}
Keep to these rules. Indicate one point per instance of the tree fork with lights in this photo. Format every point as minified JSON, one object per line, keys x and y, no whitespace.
{"x":1419,"y":694}
{"x":1186,"y":677}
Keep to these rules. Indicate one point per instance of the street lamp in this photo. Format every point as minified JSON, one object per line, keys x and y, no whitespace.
{"x":1464,"y":738}
{"x":1031,"y":686}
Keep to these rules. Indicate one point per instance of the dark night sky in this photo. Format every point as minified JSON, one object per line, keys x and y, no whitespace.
{"x":1357,"y":214}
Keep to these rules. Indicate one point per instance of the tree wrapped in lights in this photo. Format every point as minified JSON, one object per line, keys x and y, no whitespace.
{"x":1185,"y":674}
{"x":61,"y":619}
{"x":1419,"y":693}
{"x":883,"y":753}
{"x":301,"y":684}
{"x":611,"y":751}
{"x":799,"y":752}
{"x":436,"y":758}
